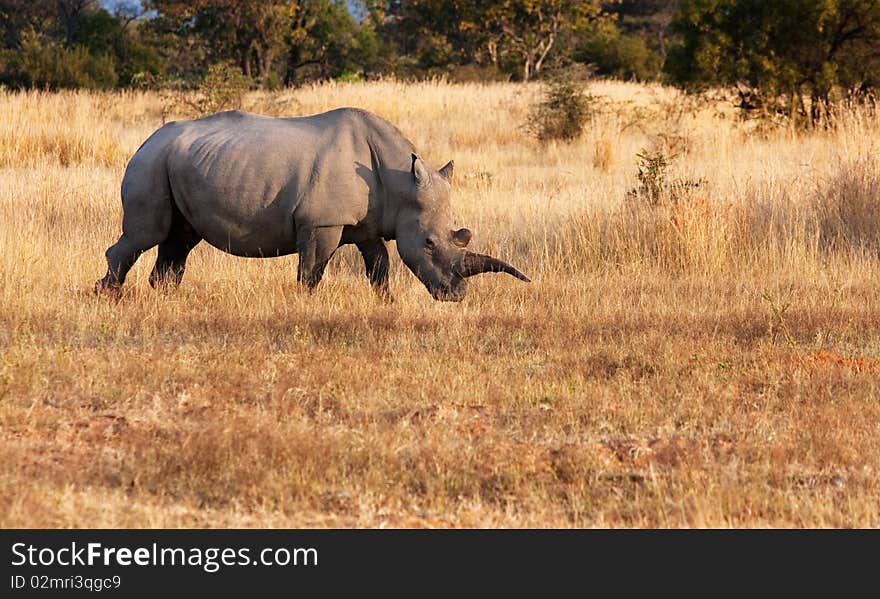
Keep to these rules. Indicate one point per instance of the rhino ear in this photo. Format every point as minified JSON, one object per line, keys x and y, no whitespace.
{"x":420,"y":172}
{"x":462,"y":237}
{"x":447,"y":171}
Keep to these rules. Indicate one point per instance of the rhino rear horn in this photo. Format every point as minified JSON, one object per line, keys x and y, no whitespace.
{"x":473,"y":264}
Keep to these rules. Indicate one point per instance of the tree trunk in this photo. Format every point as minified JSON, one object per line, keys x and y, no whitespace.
{"x":492,"y":47}
{"x":264,"y":61}
{"x":545,"y":51}
{"x":70,"y":13}
{"x":246,"y":65}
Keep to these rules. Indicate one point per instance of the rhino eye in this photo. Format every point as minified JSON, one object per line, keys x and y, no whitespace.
{"x":429,"y":243}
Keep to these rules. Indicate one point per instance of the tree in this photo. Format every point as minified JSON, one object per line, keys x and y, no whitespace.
{"x":511,"y":35}
{"x":18,"y":17}
{"x":118,"y":36}
{"x":69,"y":43}
{"x":247,"y":32}
{"x":799,"y":53}
{"x":529,"y":29}
{"x":42,"y":62}
{"x":271,"y":41}
{"x":71,"y":14}
{"x":431,"y":35}
{"x":647,"y":19}
{"x":615,"y":53}
{"x":325,"y":41}
{"x":642,"y":42}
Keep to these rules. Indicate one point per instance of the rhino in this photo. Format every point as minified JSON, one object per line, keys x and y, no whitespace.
{"x":259,"y":186}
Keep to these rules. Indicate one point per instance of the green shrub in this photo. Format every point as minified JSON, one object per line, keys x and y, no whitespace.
{"x":562,"y":113}
{"x":223,"y":88}
{"x":652,"y":175}
{"x":617,"y":54}
{"x":47,"y":64}
{"x":655,"y":187}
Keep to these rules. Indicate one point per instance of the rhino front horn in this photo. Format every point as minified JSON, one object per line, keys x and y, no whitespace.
{"x":473,"y":264}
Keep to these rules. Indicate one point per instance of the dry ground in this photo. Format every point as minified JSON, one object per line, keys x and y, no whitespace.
{"x":711,"y":360}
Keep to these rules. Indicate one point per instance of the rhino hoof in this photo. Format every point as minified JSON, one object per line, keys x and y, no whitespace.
{"x":108,"y":289}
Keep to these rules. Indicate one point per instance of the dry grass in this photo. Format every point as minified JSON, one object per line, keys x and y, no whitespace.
{"x":711,"y":360}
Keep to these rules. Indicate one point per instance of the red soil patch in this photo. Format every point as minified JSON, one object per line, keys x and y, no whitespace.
{"x":829,"y":359}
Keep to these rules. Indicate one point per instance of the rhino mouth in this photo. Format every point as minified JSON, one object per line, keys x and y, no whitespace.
{"x":453,"y":292}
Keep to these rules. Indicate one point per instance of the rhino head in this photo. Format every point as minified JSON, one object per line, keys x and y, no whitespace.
{"x":429,"y":246}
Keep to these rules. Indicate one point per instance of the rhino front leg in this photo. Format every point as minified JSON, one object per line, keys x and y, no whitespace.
{"x":315,"y":247}
{"x":375,"y":255}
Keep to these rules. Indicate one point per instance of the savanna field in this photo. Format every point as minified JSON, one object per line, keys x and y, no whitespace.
{"x":700,"y":346}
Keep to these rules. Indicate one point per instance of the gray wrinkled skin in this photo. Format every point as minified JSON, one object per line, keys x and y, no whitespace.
{"x":260,"y":186}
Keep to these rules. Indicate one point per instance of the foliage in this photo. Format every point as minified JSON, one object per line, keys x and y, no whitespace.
{"x":562,"y":113}
{"x":791,"y":55}
{"x":327,"y":43}
{"x":222,"y":89}
{"x":43,"y":63}
{"x":248,"y":32}
{"x":528,"y":30}
{"x":433,"y":34}
{"x":286,"y":42}
{"x":648,"y":21}
{"x":70,"y":43}
{"x":788,"y":57}
{"x":271,"y":42}
{"x":516,"y":37}
{"x":617,"y":54}
{"x":656,"y":187}
{"x":652,"y":174}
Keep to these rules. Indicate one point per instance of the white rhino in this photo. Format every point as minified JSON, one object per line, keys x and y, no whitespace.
{"x":260,"y":186}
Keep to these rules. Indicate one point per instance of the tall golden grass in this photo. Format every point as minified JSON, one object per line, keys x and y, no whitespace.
{"x":706,"y":357}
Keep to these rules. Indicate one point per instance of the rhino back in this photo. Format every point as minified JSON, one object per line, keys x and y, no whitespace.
{"x":246,"y":182}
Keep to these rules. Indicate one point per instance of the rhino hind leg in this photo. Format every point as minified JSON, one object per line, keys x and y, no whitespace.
{"x":315,"y":247}
{"x":376,"y":264}
{"x":146,"y":221}
{"x":121,"y":256}
{"x":171,"y":259}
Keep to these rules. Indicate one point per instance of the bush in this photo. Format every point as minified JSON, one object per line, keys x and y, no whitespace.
{"x":617,"y":54}
{"x":562,"y":113}
{"x":652,"y":175}
{"x":223,"y":88}
{"x":47,"y":64}
{"x":655,"y":187}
